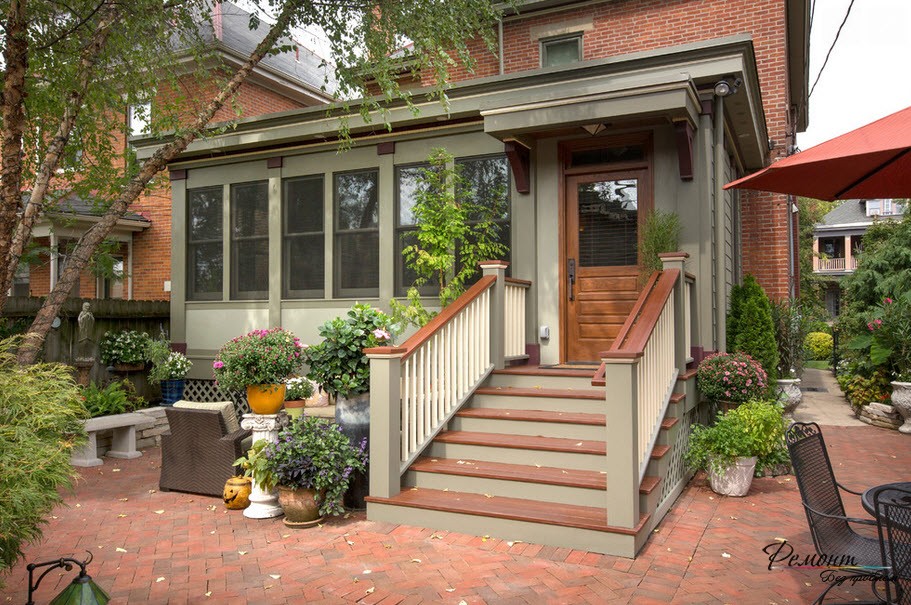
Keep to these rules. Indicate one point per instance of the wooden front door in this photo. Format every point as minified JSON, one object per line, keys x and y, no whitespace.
{"x":600,"y":272}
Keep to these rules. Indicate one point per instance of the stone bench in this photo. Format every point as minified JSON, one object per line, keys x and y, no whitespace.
{"x":123,"y":442}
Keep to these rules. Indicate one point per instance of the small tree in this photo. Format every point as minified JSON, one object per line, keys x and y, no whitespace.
{"x":456,"y":230}
{"x":754,"y":330}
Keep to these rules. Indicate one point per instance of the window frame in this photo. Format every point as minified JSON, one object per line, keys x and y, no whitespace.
{"x":400,"y":287}
{"x":234,"y":276}
{"x":287,"y":292}
{"x":337,"y":290}
{"x":191,"y":294}
{"x":544,"y":43}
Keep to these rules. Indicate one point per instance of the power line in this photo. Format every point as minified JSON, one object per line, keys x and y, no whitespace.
{"x":829,"y":54}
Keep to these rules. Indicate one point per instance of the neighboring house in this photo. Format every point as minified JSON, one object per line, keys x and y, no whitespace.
{"x":595,"y":114}
{"x":290,"y":80}
{"x":838,"y":239}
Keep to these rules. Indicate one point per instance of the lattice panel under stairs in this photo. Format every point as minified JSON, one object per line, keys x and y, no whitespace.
{"x":197,"y":389}
{"x":676,"y":471}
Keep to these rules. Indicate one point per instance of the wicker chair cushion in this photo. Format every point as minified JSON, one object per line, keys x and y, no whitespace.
{"x":225,"y":407}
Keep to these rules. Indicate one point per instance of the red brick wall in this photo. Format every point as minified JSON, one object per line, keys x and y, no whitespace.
{"x":625,"y":26}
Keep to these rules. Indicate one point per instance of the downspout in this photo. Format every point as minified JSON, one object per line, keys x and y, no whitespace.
{"x":792,"y":273}
{"x":500,"y":44}
{"x":720,"y":307}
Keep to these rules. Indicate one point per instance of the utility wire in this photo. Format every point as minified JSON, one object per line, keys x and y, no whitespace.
{"x":829,"y":54}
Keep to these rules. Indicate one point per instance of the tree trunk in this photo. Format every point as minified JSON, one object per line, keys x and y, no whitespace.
{"x":86,"y":246}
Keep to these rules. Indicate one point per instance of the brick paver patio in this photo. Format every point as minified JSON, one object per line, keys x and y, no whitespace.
{"x":154,"y":547}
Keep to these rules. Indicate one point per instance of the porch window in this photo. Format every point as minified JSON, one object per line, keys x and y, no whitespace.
{"x":406,"y":188}
{"x":487,"y":179}
{"x":250,"y":241}
{"x":205,"y":257}
{"x":65,"y":248}
{"x":20,"y":285}
{"x":561,"y":50}
{"x":303,"y":249}
{"x":357,"y":235}
{"x":112,"y":287}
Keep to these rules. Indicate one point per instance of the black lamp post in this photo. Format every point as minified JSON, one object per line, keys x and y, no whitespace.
{"x":82,"y":590}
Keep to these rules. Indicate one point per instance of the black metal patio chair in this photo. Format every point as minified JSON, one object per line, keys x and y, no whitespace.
{"x":893,"y":518}
{"x":833,"y":535}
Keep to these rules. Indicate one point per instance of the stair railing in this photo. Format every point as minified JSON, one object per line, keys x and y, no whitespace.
{"x":640,"y":373}
{"x":416,"y":388}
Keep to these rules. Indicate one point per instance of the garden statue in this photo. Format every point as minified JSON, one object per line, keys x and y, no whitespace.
{"x":84,"y":358}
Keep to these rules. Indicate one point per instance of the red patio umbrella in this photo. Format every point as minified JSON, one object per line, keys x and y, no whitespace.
{"x":873,"y":161}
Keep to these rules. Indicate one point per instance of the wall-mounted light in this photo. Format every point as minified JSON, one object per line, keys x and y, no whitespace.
{"x":81,"y":591}
{"x":728,"y":86}
{"x":594,"y":129}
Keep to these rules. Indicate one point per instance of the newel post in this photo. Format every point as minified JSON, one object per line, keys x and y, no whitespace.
{"x":497,"y":268}
{"x":385,"y":420}
{"x":677,"y":260}
{"x":621,"y":379}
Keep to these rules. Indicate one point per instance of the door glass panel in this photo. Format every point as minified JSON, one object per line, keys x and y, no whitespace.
{"x":608,"y":217}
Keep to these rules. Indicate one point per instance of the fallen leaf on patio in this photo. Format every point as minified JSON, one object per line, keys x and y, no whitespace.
{"x":213,"y":507}
{"x":209,"y":594}
{"x":212,"y":532}
{"x":689,"y":559}
{"x":450,"y":590}
{"x":350,"y":543}
{"x":286,"y":535}
{"x":655,"y":531}
{"x":538,"y":465}
{"x":436,"y":537}
{"x":161,"y":579}
{"x":463,"y":602}
{"x":115,"y":470}
{"x":414,"y":489}
{"x":152,"y":491}
{"x":580,"y":443}
{"x":274,"y":576}
{"x":78,"y":506}
{"x":725,"y":555}
{"x":781,"y":539}
{"x":347,"y":516}
{"x":158,"y":512}
{"x":668,"y":550}
{"x":434,"y":459}
{"x":415,"y":560}
{"x":121,"y":516}
{"x":241,"y":552}
{"x":808,"y":583}
{"x":119,"y":549}
{"x":267,"y":587}
{"x":387,"y":546}
{"x":124,"y":499}
{"x":485,"y":538}
{"x":53,"y":516}
{"x":711,"y":497}
{"x":734,"y":518}
{"x":445,"y":489}
{"x":370,"y":590}
{"x":488,"y":496}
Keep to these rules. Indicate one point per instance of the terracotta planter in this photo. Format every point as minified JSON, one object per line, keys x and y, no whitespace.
{"x":736,"y":479}
{"x":237,"y":492}
{"x":901,"y":401}
{"x":295,"y":408}
{"x":265,"y":398}
{"x":300,"y":506}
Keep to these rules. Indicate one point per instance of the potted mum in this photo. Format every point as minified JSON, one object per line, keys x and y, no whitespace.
{"x":298,"y":390}
{"x":730,"y":448}
{"x":125,"y":350}
{"x":169,"y":368}
{"x":259,"y":362}
{"x":730,"y":379}
{"x":339,"y":365}
{"x":313,"y":463}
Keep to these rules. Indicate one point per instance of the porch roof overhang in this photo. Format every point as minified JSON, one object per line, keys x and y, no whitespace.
{"x":75,"y":225}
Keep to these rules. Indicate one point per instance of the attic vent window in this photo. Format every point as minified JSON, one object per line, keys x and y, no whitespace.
{"x":562,"y":50}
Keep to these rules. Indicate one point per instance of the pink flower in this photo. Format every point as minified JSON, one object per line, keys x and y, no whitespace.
{"x":888,"y":301}
{"x":218,"y":365}
{"x":381,"y":334}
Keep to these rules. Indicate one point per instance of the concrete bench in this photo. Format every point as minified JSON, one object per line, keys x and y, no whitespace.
{"x":123,"y":442}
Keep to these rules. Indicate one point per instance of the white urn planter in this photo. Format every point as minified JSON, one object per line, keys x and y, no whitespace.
{"x":736,"y":479}
{"x":789,"y":393}
{"x":901,"y":401}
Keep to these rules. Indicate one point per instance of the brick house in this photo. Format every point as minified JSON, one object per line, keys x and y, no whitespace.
{"x":594,"y":114}
{"x":283,"y":82}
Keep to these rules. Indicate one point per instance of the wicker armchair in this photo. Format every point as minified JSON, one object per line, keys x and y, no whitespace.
{"x":893,"y":517}
{"x":198,"y":452}
{"x":833,"y":535}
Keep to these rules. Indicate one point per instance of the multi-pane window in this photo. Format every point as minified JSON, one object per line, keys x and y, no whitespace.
{"x":303,"y":249}
{"x":487,"y":182}
{"x":561,"y":51}
{"x":407,"y":184}
{"x":139,"y":117}
{"x":357,"y":234}
{"x":20,"y":285}
{"x":112,"y":287}
{"x":205,"y":257}
{"x":250,"y":240}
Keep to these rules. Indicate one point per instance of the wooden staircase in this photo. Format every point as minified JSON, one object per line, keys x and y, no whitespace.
{"x":525,"y":459}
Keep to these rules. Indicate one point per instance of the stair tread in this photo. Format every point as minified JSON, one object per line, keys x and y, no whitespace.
{"x":593,"y":394}
{"x":648,"y":484}
{"x":534,"y":416}
{"x":565,"y":515}
{"x":669,"y":422}
{"x":659,"y":451}
{"x":550,"y":444}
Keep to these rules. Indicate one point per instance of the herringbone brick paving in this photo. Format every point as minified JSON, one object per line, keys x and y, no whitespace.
{"x":154,"y":547}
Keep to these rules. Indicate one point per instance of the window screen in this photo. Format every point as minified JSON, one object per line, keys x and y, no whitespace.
{"x":205,"y":257}
{"x":250,"y":241}
{"x":303,"y":251}
{"x":357,"y":235}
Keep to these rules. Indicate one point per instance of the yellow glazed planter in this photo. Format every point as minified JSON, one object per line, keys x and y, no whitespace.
{"x":265,"y":398}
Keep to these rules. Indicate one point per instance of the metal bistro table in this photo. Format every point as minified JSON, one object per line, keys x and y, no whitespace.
{"x":866,"y":499}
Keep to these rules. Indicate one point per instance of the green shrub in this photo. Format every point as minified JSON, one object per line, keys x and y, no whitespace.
{"x":660,"y":233}
{"x":861,"y":390}
{"x":818,"y":346}
{"x":754,"y":428}
{"x":754,"y":330}
{"x":40,"y":413}
{"x":115,"y":398}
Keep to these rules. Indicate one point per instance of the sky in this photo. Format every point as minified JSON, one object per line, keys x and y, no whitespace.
{"x":869,"y":73}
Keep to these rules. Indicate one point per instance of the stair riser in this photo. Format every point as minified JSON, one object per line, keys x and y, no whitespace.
{"x":559,"y":494}
{"x":536,"y":533}
{"x":523,"y":427}
{"x":567,"y":460}
{"x":545,"y":382}
{"x":553,"y":404}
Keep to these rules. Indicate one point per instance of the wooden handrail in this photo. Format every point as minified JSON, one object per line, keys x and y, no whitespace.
{"x":515,"y":281}
{"x":443,"y":317}
{"x":631,"y":341}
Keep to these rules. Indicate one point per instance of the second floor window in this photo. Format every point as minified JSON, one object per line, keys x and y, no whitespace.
{"x":561,"y":51}
{"x":357,"y":234}
{"x":250,"y":241}
{"x":205,"y":259}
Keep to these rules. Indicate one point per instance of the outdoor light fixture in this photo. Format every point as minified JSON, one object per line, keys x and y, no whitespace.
{"x":82,"y":590}
{"x":727,"y":86}
{"x":594,"y":129}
